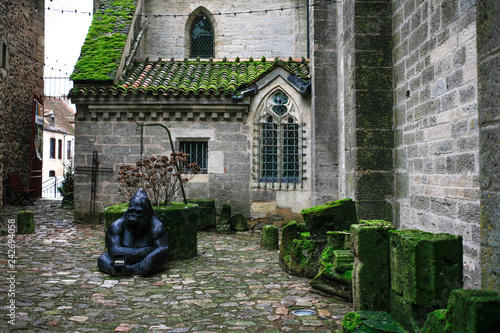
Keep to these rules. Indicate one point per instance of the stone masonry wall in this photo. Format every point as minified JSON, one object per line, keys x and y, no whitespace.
{"x":21,"y":76}
{"x":117,"y":140}
{"x":365,"y":107}
{"x":324,"y":119}
{"x":281,"y":33}
{"x":436,"y":124}
{"x":488,"y":46}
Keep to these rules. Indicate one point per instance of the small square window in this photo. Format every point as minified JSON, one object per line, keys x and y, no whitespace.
{"x":198,"y":153}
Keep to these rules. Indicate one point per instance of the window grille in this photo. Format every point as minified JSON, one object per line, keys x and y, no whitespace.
{"x":198,"y":153}
{"x":202,"y":38}
{"x":278,"y":160}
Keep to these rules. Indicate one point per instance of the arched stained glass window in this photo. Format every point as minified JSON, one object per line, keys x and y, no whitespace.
{"x":279,"y":143}
{"x":202,"y":38}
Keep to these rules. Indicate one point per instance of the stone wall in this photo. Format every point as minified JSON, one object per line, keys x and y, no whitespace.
{"x":436,"y":125}
{"x":276,"y":33}
{"x":226,"y":126}
{"x":365,"y":107}
{"x":21,"y":76}
{"x":488,"y":34}
{"x":324,"y":120}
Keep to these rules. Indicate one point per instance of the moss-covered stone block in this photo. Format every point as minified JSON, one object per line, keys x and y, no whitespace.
{"x":371,"y":276}
{"x":223,"y":228}
{"x":436,"y":322}
{"x":335,"y":272}
{"x":411,"y":317}
{"x":304,"y":257}
{"x":206,"y":209}
{"x":25,"y":222}
{"x":425,"y":267}
{"x":238,"y":222}
{"x":180,"y":220}
{"x":473,"y":311}
{"x":338,"y":240}
{"x":270,"y":237}
{"x":332,"y":216}
{"x":91,"y":218}
{"x":343,"y":260}
{"x":288,"y":234}
{"x":370,"y":322}
{"x":225,"y":214}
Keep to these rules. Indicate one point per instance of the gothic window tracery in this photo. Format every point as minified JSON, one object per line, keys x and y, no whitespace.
{"x":279,"y":142}
{"x":202,"y":38}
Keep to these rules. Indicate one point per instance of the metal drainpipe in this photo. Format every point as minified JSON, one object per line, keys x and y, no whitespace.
{"x":308,"y":41}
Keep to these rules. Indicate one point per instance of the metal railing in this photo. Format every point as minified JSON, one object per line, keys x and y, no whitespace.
{"x":49,"y":187}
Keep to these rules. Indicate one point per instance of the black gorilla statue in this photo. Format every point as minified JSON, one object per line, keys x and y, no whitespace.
{"x":137,"y":242}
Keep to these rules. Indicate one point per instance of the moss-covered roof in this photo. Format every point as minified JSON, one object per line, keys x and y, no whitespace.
{"x":171,"y":77}
{"x":103,"y":47}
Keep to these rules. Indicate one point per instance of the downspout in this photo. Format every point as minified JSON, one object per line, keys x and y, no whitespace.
{"x":308,"y":38}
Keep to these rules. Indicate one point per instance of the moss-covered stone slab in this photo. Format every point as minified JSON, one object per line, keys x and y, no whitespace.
{"x":343,"y":260}
{"x":238,"y":222}
{"x":288,"y":234}
{"x":425,"y":267}
{"x":371,"y":276}
{"x":225,"y":214}
{"x":270,"y":237}
{"x":473,"y":311}
{"x":332,"y":216}
{"x":436,"y":322}
{"x":25,"y":222}
{"x":370,"y":322}
{"x":180,"y":220}
{"x":206,"y":209}
{"x":304,"y":257}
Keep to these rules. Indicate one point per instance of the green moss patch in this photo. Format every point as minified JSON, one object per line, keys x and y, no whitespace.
{"x":103,"y":47}
{"x":370,"y":322}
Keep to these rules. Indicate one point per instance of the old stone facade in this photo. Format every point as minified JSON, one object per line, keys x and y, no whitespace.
{"x":21,"y":77}
{"x":401,"y":115}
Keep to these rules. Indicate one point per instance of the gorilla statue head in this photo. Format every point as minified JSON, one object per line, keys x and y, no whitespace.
{"x":139,"y":213}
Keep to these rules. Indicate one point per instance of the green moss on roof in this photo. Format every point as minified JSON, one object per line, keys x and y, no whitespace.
{"x":103,"y":47}
{"x":194,"y":77}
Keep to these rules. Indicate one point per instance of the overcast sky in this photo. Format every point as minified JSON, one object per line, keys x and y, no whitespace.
{"x":64,"y":36}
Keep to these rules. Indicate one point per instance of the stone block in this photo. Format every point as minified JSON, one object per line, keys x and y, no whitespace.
{"x":332,"y":216}
{"x":223,"y":228}
{"x":473,"y":311}
{"x":92,"y":218}
{"x":338,"y":240}
{"x":371,"y":274}
{"x":411,"y":317}
{"x":288,"y":234}
{"x":436,"y":322}
{"x":269,"y":238}
{"x":25,"y":222}
{"x":304,"y":257}
{"x":206,"y":208}
{"x":371,"y":321}
{"x":425,"y":267}
{"x":238,"y":222}
{"x":225,"y":214}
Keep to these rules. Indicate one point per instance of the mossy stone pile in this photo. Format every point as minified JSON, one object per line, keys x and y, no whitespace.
{"x":370,"y":322}
{"x":206,"y":209}
{"x":25,"y":222}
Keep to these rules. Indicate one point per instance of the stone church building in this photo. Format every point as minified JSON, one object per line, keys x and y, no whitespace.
{"x":288,"y":104}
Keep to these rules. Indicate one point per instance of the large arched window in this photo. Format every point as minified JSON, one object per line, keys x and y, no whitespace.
{"x":279,"y":142}
{"x":202,"y":38}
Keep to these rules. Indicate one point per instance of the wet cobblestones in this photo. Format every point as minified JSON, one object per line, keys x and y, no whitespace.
{"x":232,"y":285}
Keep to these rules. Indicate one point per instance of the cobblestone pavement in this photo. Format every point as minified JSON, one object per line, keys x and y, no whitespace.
{"x":232,"y":285}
